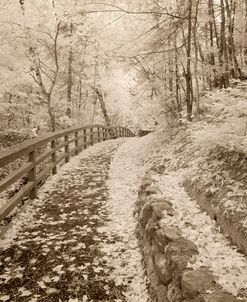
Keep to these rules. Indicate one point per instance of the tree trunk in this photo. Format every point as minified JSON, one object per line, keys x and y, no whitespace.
{"x":189,"y":87}
{"x":69,"y":83}
{"x":102,"y":106}
{"x":211,"y":33}
{"x":224,"y":59}
{"x":51,"y":115}
{"x":69,"y":80}
{"x":197,"y":99}
{"x":179,"y":107}
{"x":230,"y":11}
{"x":245,"y":35}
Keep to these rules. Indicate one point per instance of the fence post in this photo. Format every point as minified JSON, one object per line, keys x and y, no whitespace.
{"x":99,"y":136}
{"x":91,"y":136}
{"x":66,"y":148}
{"x":76,"y":143}
{"x":85,"y":138}
{"x":54,"y":157}
{"x":110,"y":133}
{"x":32,"y":174}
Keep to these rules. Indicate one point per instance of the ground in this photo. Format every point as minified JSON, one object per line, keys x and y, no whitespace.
{"x":77,"y":241}
{"x":206,"y":160}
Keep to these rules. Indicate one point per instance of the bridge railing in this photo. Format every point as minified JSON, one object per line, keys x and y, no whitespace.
{"x":40,"y":157}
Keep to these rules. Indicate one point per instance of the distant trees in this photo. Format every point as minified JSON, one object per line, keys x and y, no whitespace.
{"x":176,"y":49}
{"x":51,"y":57}
{"x":203,"y":44}
{"x":46,"y":76}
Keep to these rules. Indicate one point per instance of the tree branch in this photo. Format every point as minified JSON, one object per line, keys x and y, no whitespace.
{"x":118,"y":9}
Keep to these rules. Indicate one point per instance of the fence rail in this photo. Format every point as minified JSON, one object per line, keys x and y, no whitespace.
{"x":41,"y":156}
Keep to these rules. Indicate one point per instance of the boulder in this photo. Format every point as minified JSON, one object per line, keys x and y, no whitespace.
{"x":162,"y":294}
{"x":146,"y":214}
{"x":174,"y":293}
{"x":163,"y":236}
{"x":181,"y":247}
{"x":150,"y":265}
{"x":178,"y":255}
{"x":195,"y":282}
{"x":154,"y":198}
{"x":159,"y":207}
{"x":154,"y":281}
{"x":160,"y":169}
{"x":179,"y":264}
{"x":141,"y":201}
{"x":171,"y":233}
{"x":147,"y":249}
{"x":162,"y":269}
{"x":160,"y":239}
{"x":152,"y":190}
{"x":146,"y":182}
{"x":150,"y":229}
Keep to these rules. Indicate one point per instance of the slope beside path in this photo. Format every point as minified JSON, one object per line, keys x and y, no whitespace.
{"x":76,"y":241}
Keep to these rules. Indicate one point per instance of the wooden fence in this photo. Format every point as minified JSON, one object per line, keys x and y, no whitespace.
{"x":39,"y":157}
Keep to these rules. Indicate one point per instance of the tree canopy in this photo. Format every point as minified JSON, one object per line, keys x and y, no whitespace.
{"x":150,"y":60}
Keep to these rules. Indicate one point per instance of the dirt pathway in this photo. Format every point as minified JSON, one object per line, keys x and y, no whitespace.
{"x":54,"y":252}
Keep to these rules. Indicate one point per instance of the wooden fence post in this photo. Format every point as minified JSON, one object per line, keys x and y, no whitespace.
{"x":66,"y":148}
{"x":109,"y":133}
{"x":32,"y":174}
{"x":85,"y":138}
{"x":54,"y":157}
{"x":91,"y":136}
{"x":99,"y":134}
{"x":76,"y":143}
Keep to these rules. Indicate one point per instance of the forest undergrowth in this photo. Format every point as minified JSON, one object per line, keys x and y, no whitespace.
{"x":210,"y":154}
{"x":201,"y":169}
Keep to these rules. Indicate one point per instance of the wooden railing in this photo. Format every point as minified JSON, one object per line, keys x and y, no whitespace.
{"x":39,"y":157}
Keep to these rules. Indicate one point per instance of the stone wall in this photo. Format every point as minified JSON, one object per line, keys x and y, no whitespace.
{"x":166,"y":254}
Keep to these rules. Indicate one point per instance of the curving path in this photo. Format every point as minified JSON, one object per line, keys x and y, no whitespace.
{"x":76,"y":242}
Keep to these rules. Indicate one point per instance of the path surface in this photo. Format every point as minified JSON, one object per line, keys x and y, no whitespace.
{"x":76,"y":242}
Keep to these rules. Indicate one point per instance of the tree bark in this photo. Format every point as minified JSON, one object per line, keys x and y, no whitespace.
{"x":224,"y":59}
{"x":69,"y":83}
{"x":211,"y":33}
{"x":102,"y":106}
{"x":39,"y":73}
{"x":197,"y":99}
{"x":189,"y":87}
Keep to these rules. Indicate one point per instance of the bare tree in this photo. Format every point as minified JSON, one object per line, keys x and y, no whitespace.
{"x":46,"y":76}
{"x":223,"y":54}
{"x":188,"y":74}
